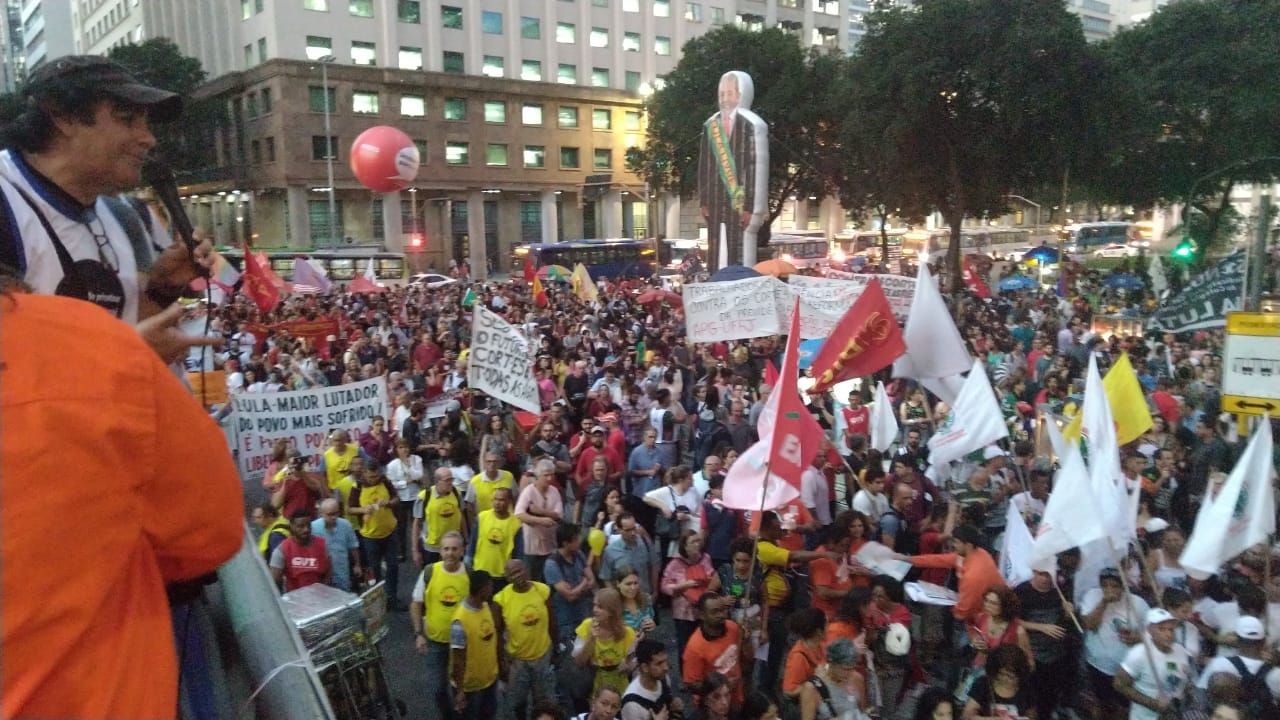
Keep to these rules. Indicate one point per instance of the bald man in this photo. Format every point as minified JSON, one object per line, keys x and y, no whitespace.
{"x":341,"y":542}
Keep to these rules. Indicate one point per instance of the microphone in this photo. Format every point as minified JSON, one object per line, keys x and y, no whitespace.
{"x":159,"y":176}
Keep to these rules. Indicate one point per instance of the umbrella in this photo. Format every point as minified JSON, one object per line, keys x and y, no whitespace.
{"x":734,"y":272}
{"x":1018,"y":282}
{"x":775,"y":267}
{"x":555,"y":272}
{"x":1043,"y":254}
{"x":657,"y":295}
{"x":809,"y":350}
{"x":1123,"y":281}
{"x":362,"y":285}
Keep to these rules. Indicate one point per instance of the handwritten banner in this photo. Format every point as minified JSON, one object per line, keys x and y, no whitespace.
{"x":304,"y":418}
{"x":823,"y":301}
{"x":501,"y":362}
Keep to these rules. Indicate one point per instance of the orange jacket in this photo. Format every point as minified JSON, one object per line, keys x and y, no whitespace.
{"x":113,"y":481}
{"x":977,"y":574}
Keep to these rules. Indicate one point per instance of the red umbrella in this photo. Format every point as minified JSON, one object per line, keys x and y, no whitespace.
{"x":657,"y":295}
{"x":362,"y":285}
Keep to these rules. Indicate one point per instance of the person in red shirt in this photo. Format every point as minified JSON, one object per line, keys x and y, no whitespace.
{"x":596,"y":448}
{"x":857,"y":418}
{"x":302,"y":559}
{"x":615,"y":438}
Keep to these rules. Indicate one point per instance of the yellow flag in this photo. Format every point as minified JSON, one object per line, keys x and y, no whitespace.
{"x":582,"y":284}
{"x":1128,"y":404}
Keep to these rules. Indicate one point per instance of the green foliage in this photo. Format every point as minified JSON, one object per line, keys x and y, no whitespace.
{"x":159,"y":62}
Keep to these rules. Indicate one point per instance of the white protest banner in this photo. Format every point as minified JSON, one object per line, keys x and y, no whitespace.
{"x":733,"y":310}
{"x":824,"y":300}
{"x":437,"y":406}
{"x":304,"y":418}
{"x":501,"y":361}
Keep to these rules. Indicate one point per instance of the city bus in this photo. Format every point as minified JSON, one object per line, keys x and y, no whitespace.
{"x":602,"y":258}
{"x":800,"y":249}
{"x":1080,"y":237}
{"x":673,"y":251}
{"x":866,"y":242}
{"x":973,"y":240}
{"x":341,"y":264}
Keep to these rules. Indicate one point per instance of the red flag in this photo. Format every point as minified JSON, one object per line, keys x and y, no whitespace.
{"x":257,"y":284}
{"x":794,"y":436}
{"x":974,"y":281}
{"x":539,"y":295}
{"x":529,"y":273}
{"x":770,"y":374}
{"x":865,"y":340}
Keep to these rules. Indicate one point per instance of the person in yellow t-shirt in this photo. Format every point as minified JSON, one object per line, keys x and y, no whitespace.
{"x":438,"y":510}
{"x":604,"y":642}
{"x":342,"y":487}
{"x":439,"y":591}
{"x":335,"y":463}
{"x":526,"y":615}
{"x":374,"y":500}
{"x":484,"y":484}
{"x":495,"y":537}
{"x":475,"y":651}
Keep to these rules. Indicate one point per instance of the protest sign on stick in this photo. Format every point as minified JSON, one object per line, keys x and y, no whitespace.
{"x":501,"y":362}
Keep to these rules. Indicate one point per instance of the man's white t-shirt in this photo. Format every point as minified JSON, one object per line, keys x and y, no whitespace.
{"x":1103,"y":648}
{"x":873,"y":506}
{"x":1171,"y":672}
{"x":1224,"y":665}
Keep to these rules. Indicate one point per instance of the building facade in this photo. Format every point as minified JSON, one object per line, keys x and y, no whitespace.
{"x":47,"y":31}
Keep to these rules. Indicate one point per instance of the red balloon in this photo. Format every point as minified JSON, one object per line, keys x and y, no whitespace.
{"x":384,"y":159}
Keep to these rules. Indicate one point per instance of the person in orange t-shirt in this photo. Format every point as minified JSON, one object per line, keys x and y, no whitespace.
{"x":112,"y":443}
{"x":975,"y":568}
{"x":718,"y":645}
{"x":832,"y":579}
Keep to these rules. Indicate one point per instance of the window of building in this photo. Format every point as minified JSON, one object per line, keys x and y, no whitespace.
{"x":566,"y":33}
{"x":662,"y":45}
{"x":321,"y":151}
{"x":631,"y":80}
{"x":360,"y":8}
{"x":494,"y":66}
{"x":320,"y":214}
{"x":531,"y":28}
{"x":531,"y":114}
{"x":451,"y":17}
{"x":599,"y":37}
{"x":248,"y":55}
{"x":364,"y":102}
{"x":601,"y":119}
{"x":317,"y":5}
{"x":792,"y":27}
{"x":827,"y":7}
{"x":567,"y":74}
{"x":364,"y":53}
{"x":631,"y":120}
{"x":535,"y":156}
{"x":631,"y":6}
{"x":495,"y":155}
{"x":662,"y":8}
{"x":422,"y":150}
{"x":793,"y":4}
{"x":693,"y":12}
{"x":262,"y":50}
{"x":491,"y":22}
{"x":317,"y":96}
{"x":568,"y":116}
{"x":269,"y":145}
{"x":569,"y":158}
{"x":495,"y":111}
{"x":457,"y":153}
{"x":599,"y":77}
{"x":825,"y":37}
{"x":251,"y":105}
{"x":410,"y":58}
{"x":530,"y":221}
{"x":717,"y":16}
{"x":267,"y":102}
{"x":631,"y":42}
{"x":413,"y":105}
{"x":455,"y":108}
{"x":454,"y":62}
{"x":602,"y":159}
{"x":318,"y":47}
{"x":246,"y":10}
{"x":531,"y":70}
{"x":255,"y":152}
{"x":754,"y":23}
{"x":409,"y":11}
{"x":600,"y":3}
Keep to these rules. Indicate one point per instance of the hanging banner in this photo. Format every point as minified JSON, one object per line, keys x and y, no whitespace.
{"x":304,"y":418}
{"x":732,"y":310}
{"x":1205,"y":302}
{"x":823,"y":301}
{"x":501,"y":362}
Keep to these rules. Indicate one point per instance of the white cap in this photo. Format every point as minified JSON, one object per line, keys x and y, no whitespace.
{"x":992,"y":451}
{"x":1249,"y":628}
{"x":1155,"y":616}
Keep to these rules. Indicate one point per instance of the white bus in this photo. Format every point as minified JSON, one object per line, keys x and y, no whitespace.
{"x":804,"y":250}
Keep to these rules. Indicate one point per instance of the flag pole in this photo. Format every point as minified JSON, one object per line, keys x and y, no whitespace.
{"x":1142,"y":630}
{"x":1070,"y":613}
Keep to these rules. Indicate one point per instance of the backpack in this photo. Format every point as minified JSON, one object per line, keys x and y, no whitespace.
{"x":1259,"y":703}
{"x":710,"y":435}
{"x":906,"y":541}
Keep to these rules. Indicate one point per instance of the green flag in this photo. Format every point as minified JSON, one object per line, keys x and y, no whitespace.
{"x":469,"y":299}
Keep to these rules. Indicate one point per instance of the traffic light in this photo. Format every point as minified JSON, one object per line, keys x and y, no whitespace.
{"x":1186,"y":249}
{"x":416,"y":242}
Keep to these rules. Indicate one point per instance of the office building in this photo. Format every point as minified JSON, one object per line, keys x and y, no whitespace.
{"x":47,"y":31}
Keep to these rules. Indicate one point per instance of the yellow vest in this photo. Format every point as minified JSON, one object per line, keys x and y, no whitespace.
{"x":279,"y":526}
{"x":482,"y":647}
{"x":441,"y":598}
{"x":495,"y":539}
{"x":382,"y":522}
{"x":525,"y":616}
{"x":486,"y":488}
{"x":441,"y":514}
{"x":335,"y":465}
{"x":343,"y":487}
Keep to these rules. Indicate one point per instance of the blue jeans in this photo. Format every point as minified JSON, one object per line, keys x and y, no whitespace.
{"x":438,"y":680}
{"x":377,"y":551}
{"x":529,"y":676}
{"x":482,"y":704}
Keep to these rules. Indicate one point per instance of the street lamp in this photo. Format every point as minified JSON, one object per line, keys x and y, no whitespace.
{"x":328,"y":147}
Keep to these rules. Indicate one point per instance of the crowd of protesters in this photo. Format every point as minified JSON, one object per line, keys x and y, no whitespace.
{"x":582,"y":556}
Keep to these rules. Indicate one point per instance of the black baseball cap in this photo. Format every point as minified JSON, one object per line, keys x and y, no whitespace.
{"x":109,"y":77}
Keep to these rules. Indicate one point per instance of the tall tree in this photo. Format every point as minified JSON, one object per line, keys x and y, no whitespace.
{"x":1195,"y":109}
{"x":792,"y":94}
{"x":968,"y":99}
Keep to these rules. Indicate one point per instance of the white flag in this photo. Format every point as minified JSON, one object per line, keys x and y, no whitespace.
{"x":1159,"y":283}
{"x":501,"y":362}
{"x":369,"y":273}
{"x":935,"y":348}
{"x":1243,"y":514}
{"x":884,"y":425}
{"x":1056,"y":440}
{"x":948,"y":388}
{"x":1071,"y":517}
{"x":1098,"y":428}
{"x":1015,"y":556}
{"x":974,"y":422}
{"x":747,"y":487}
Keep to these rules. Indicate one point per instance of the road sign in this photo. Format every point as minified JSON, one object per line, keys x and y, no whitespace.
{"x":1251,"y":364}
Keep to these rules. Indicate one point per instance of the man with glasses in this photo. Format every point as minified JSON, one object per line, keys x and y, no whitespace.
{"x":81,"y":139}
